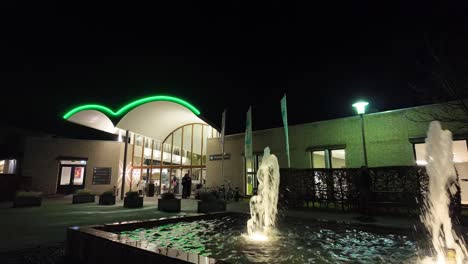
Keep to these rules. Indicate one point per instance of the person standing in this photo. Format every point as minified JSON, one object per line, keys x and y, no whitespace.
{"x":186,"y":185}
{"x":175,"y":185}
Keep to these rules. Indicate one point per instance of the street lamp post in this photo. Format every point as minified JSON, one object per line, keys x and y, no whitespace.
{"x":361,"y":110}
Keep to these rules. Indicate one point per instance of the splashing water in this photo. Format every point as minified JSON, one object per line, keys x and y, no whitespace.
{"x":442,"y":180}
{"x":263,"y":206}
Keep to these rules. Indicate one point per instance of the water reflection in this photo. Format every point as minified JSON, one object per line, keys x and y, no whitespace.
{"x":295,"y":242}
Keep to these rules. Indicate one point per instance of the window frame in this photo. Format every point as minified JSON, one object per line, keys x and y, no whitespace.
{"x":416,"y":141}
{"x":327,"y":149}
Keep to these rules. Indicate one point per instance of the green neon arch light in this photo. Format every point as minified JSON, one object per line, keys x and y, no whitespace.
{"x":130,"y":106}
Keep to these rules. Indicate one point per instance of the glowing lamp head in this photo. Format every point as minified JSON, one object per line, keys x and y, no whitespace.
{"x":360,"y":107}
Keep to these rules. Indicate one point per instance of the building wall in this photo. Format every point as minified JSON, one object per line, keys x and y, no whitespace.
{"x":387,"y":134}
{"x":233,"y":167}
{"x":41,"y":163}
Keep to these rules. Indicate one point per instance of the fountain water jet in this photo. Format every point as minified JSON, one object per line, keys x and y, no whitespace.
{"x":263,"y":206}
{"x":442,"y":180}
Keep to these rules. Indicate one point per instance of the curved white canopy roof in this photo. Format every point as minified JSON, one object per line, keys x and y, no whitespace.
{"x":158,"y":119}
{"x":94,"y":119}
{"x":153,"y":117}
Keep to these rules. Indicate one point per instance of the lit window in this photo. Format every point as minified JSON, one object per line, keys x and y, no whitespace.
{"x":328,"y":158}
{"x":138,"y":140}
{"x":460,"y":152}
{"x":8,"y":166}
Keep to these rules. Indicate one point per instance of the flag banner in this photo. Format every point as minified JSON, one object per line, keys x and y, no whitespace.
{"x":284,"y":114}
{"x":248,"y":136}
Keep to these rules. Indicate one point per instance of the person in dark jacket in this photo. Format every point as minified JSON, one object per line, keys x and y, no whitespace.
{"x":186,"y":185}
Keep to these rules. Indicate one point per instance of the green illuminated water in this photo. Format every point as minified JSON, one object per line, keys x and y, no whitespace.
{"x":297,"y":241}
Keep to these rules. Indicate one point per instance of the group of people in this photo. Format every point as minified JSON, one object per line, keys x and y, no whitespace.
{"x":186,"y":185}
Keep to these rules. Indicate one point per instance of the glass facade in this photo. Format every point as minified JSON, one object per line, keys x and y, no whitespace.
{"x":165,"y":163}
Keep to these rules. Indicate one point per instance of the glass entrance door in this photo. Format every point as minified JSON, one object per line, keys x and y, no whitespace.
{"x":71,"y":177}
{"x":251,"y":169}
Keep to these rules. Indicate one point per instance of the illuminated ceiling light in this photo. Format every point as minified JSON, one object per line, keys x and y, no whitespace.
{"x":360,"y":107}
{"x":120,"y":136}
{"x":421,"y":162}
{"x":130,"y":106}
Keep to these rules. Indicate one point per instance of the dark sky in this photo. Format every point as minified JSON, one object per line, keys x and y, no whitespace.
{"x":227,"y":54}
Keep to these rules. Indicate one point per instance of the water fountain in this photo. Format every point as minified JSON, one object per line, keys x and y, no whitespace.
{"x":442,"y":183}
{"x":222,"y":237}
{"x":263,"y":206}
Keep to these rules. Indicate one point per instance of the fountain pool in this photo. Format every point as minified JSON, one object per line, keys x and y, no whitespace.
{"x":221,"y":238}
{"x":225,"y":237}
{"x":295,"y":241}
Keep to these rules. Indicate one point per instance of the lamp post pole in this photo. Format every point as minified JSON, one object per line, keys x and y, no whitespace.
{"x":363,"y":139}
{"x":361,"y":110}
{"x":124,"y":167}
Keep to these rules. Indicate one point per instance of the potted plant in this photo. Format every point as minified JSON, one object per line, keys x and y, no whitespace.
{"x":168,"y":203}
{"x":209,"y":203}
{"x":83,"y":196}
{"x":133,"y":200}
{"x":23,"y":199}
{"x":107,"y":198}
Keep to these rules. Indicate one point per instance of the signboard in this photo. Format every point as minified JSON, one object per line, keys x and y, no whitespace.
{"x":102,"y":175}
{"x":220,"y":157}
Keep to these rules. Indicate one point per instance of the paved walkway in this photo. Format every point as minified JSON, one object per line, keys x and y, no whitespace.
{"x":33,"y":226}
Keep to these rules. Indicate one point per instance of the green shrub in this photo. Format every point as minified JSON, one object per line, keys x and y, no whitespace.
{"x":108,"y":193}
{"x":167,"y":196}
{"x":207,"y":196}
{"x":28,"y":194}
{"x":83,"y":192}
{"x":132,"y":194}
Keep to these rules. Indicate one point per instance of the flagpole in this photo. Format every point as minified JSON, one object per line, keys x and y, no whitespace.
{"x":222,"y":161}
{"x":223,"y":132}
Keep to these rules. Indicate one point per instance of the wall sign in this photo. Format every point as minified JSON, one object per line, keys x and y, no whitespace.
{"x":102,"y":175}
{"x":220,"y":157}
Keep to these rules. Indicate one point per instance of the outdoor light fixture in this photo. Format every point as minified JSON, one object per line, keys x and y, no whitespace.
{"x":360,"y":107}
{"x":361,"y":110}
{"x":130,"y":106}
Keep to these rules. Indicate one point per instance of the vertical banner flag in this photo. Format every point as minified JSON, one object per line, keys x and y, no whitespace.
{"x":248,"y":136}
{"x":223,"y":132}
{"x":284,"y":114}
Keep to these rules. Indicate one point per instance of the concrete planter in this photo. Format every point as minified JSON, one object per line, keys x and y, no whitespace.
{"x":133,"y":202}
{"x":169,"y":205}
{"x":211,"y":206}
{"x":77,"y":199}
{"x":27,"y":201}
{"x":106,"y":199}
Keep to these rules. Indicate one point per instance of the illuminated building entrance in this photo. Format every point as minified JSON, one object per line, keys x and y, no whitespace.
{"x":164,"y":138}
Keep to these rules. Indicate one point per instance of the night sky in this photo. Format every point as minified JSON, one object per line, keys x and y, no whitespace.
{"x":228,"y":54}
